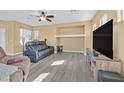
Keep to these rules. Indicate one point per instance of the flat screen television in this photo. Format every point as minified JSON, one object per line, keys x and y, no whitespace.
{"x":103,"y":39}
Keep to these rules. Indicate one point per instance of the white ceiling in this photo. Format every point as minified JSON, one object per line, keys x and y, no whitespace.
{"x":61,"y":16}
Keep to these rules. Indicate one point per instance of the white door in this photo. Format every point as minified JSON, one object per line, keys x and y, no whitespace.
{"x":2,"y":38}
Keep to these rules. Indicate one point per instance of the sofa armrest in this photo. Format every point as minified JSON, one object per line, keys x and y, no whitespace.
{"x":50,"y":47}
{"x":33,"y":55}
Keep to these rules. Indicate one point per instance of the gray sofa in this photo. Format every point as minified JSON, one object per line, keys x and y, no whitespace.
{"x":37,"y":50}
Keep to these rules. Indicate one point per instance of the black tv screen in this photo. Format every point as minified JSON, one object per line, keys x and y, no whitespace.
{"x":103,"y":39}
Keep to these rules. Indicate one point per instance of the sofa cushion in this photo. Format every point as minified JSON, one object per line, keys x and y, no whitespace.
{"x":32,"y":48}
{"x":45,"y":52}
{"x":42,"y":47}
{"x":36,"y":46}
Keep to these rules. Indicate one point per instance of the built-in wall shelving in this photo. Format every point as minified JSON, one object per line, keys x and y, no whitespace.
{"x":71,"y":36}
{"x":73,"y":33}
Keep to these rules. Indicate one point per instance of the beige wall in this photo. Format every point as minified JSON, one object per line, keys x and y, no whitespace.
{"x":70,"y":30}
{"x":112,"y":14}
{"x":17,"y":26}
{"x":9,"y":35}
{"x":12,"y":35}
{"x":72,"y":44}
{"x":119,"y":50}
{"x":47,"y":32}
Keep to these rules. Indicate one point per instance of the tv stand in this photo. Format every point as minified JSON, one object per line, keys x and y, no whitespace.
{"x":102,"y":62}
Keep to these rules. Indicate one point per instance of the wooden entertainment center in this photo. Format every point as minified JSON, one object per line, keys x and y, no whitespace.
{"x":102,"y":62}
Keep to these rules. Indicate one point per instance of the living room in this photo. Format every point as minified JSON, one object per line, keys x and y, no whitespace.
{"x":74,"y":36}
{"x":61,"y":46}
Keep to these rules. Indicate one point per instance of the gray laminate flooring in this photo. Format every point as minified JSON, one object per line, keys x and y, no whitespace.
{"x":72,"y":68}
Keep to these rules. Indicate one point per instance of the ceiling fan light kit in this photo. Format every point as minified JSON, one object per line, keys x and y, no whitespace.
{"x":42,"y":16}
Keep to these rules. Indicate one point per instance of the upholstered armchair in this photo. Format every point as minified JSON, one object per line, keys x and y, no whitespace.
{"x":22,"y":62}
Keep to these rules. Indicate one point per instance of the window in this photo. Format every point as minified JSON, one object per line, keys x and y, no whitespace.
{"x":36,"y":35}
{"x":119,"y":15}
{"x":103,"y":19}
{"x":25,"y":35}
{"x":94,"y":27}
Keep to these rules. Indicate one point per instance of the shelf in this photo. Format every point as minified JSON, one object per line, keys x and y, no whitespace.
{"x":73,"y":51}
{"x":69,"y":36}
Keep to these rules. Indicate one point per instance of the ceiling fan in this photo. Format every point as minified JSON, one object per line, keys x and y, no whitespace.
{"x":43,"y":16}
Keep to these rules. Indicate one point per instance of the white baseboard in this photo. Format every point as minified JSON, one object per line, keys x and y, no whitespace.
{"x":13,"y":54}
{"x":73,"y":51}
{"x":55,"y":52}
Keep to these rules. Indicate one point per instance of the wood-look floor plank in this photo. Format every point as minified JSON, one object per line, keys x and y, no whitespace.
{"x":74,"y":69}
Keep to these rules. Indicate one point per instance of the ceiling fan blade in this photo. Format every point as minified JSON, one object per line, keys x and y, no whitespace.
{"x":50,"y":16}
{"x":49,"y":20}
